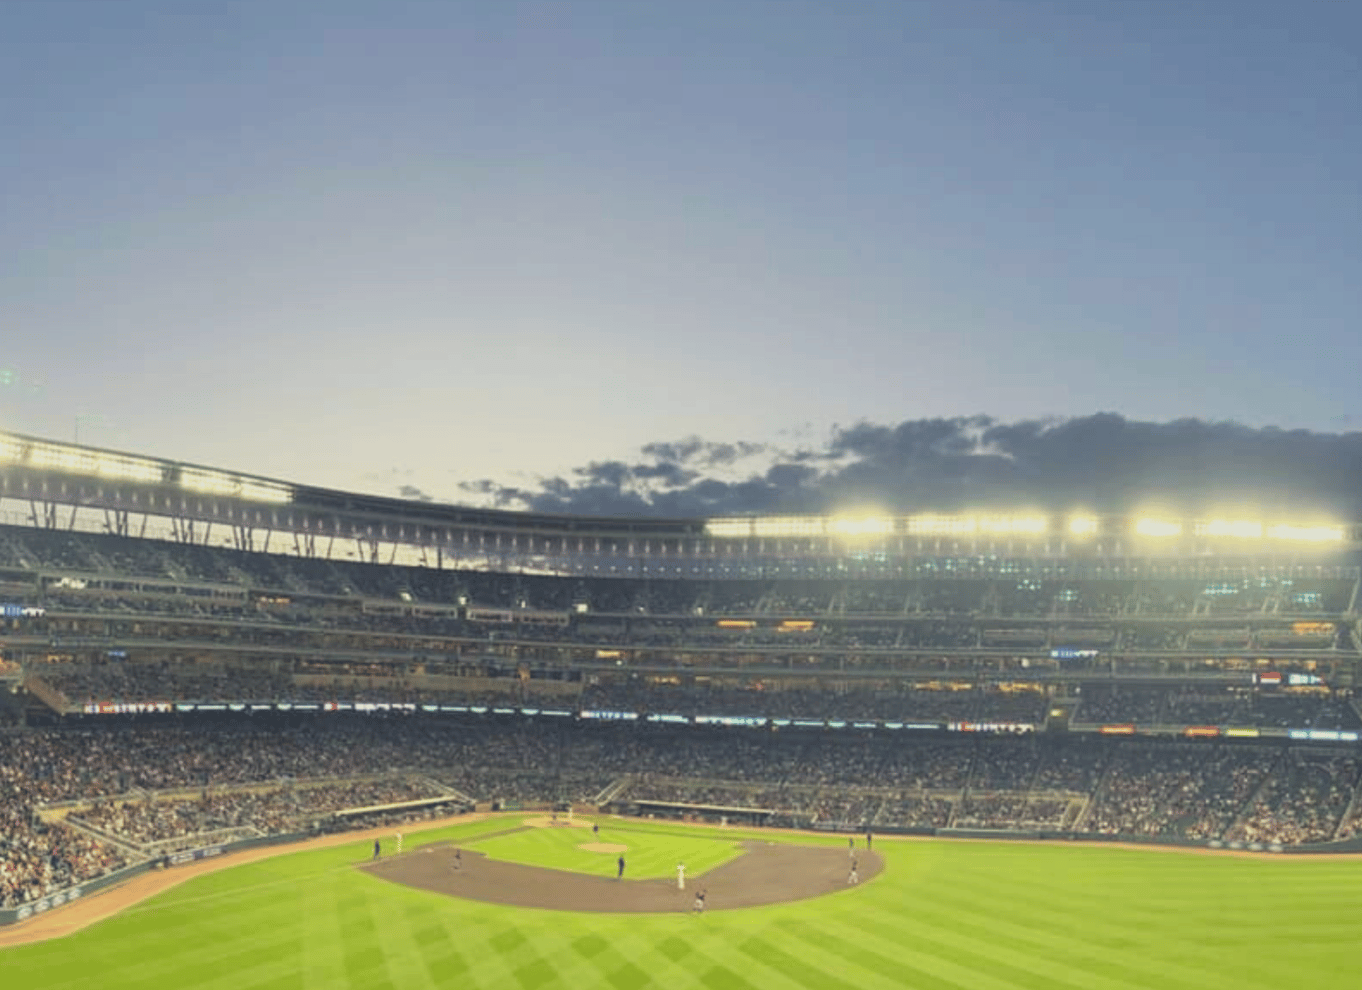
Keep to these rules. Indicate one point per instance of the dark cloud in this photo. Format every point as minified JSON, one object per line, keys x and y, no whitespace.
{"x":412,"y":492}
{"x":1103,"y":462}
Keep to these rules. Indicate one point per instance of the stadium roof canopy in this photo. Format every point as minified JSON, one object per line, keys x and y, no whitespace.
{"x":69,"y":486}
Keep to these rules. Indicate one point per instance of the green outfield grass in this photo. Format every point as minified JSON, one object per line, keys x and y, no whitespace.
{"x":944,"y":915}
{"x":651,"y":852}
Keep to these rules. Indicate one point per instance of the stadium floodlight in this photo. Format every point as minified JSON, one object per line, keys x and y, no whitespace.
{"x":79,"y":460}
{"x":1018,"y":525}
{"x":867,"y":526}
{"x":1157,"y":527}
{"x":1306,"y":534}
{"x":788,"y":526}
{"x":1243,"y":528}
{"x":1083,"y":525}
{"x":728,"y":528}
{"x":209,"y":482}
{"x":932,"y":525}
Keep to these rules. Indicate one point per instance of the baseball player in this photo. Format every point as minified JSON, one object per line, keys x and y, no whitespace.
{"x":680,"y":876}
{"x":620,"y":874}
{"x":851,"y":848}
{"x":853,"y":877}
{"x":458,"y":859}
{"x":378,"y":849}
{"x":699,"y":907}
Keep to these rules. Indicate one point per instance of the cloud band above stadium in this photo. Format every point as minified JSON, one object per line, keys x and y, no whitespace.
{"x":58,"y":485}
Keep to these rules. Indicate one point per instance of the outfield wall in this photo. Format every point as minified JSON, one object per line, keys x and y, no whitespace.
{"x":10,"y":916}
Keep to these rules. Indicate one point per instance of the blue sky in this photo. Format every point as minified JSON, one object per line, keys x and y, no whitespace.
{"x":379,"y":244}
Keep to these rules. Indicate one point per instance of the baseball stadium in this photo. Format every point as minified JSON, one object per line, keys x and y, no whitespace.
{"x":259,"y":734}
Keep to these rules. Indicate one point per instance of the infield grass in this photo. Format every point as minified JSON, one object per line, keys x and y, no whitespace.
{"x":943,"y":916}
{"x":649,"y":852}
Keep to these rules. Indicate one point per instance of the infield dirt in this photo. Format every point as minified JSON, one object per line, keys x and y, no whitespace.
{"x":767,"y":873}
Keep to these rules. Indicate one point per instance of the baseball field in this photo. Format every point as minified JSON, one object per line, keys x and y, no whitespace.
{"x":939,"y":916}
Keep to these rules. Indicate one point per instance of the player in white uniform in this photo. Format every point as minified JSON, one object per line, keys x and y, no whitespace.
{"x":680,"y":876}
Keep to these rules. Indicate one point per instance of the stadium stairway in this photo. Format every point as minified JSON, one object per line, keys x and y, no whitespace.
{"x":98,"y":834}
{"x":47,"y":694}
{"x":1246,"y":809}
{"x":612,"y":791}
{"x":1098,"y":790}
{"x":1348,"y":811}
{"x":448,"y":789}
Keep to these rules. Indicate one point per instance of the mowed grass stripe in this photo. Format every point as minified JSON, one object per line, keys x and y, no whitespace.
{"x":902,"y":965}
{"x":614,"y":968}
{"x":945,"y":915}
{"x":1052,"y":955}
{"x":1106,"y":944}
{"x":979,"y":953}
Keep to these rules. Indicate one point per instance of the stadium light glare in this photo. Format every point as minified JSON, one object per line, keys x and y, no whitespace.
{"x":1083,"y":525}
{"x":1243,"y":528}
{"x":728,"y":528}
{"x":867,"y":526}
{"x":932,"y":525}
{"x":1019,"y":525}
{"x":1157,"y":527}
{"x":207,"y":482}
{"x":788,"y":526}
{"x":1306,"y":534}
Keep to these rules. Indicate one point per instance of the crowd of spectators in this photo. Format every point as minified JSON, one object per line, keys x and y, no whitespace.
{"x":1305,"y":801}
{"x":1311,"y":708}
{"x":265,"y":811}
{"x":276,"y":774}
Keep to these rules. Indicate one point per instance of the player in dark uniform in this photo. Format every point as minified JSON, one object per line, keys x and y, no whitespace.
{"x":699,"y":907}
{"x":378,"y":849}
{"x":620,"y":874}
{"x":868,"y":837}
{"x":458,"y":859}
{"x":595,"y":829}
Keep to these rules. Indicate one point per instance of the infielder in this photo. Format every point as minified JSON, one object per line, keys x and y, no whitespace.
{"x":680,"y":876}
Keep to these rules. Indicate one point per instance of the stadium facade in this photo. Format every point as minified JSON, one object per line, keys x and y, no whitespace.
{"x":1034,"y":672}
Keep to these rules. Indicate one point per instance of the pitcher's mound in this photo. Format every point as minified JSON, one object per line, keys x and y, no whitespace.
{"x":602,"y":847}
{"x":544,"y":821}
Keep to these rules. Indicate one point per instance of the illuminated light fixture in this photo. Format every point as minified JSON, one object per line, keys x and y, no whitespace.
{"x":1306,"y":534}
{"x":1021,"y":525}
{"x":729,"y":528}
{"x":208,"y":482}
{"x":735,"y":623}
{"x":1157,"y":527}
{"x":1083,"y":525}
{"x":58,"y":457}
{"x":797,"y":625}
{"x":788,"y":526}
{"x":1244,"y":528}
{"x":869,"y":526}
{"x":941,"y":525}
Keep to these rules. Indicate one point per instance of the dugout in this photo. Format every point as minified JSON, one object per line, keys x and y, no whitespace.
{"x":681,"y":811}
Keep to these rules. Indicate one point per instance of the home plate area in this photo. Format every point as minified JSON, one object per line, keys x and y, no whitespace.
{"x":766,"y":873}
